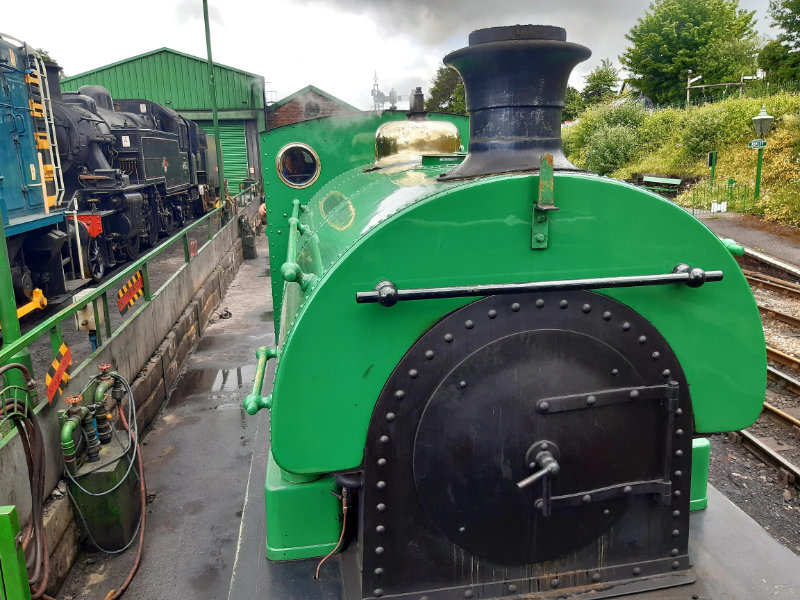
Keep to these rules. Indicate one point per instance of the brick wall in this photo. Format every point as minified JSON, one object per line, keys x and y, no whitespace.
{"x":310,"y":105}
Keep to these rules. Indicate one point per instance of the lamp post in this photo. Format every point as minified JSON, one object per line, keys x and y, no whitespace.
{"x":761,"y":123}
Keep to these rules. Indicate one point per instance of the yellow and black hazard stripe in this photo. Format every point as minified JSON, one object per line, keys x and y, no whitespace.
{"x":130,"y":293}
{"x":58,"y":373}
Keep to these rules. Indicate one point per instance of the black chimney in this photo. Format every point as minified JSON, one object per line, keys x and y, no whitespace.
{"x":53,"y":80}
{"x":515,"y":80}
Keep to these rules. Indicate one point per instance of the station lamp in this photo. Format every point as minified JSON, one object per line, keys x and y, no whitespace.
{"x":761,"y":123}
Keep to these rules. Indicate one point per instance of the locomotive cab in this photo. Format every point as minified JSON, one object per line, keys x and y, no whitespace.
{"x":505,"y":362}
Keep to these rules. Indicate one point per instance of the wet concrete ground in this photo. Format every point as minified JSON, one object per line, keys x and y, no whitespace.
{"x":197,"y":456}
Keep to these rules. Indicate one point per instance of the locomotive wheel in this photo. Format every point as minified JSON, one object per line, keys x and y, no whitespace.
{"x":94,"y":262}
{"x":198,"y":208}
{"x":132,"y":248}
{"x":572,"y":387}
{"x":167,"y":224}
{"x":179,"y":216}
{"x":149,"y":225}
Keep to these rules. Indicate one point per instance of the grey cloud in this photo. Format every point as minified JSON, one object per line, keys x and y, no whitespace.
{"x":441,"y":26}
{"x":192,"y":10}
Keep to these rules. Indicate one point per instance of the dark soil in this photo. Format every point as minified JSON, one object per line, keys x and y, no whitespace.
{"x":757,"y":489}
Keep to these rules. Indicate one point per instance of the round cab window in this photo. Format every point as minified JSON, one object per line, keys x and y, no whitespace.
{"x":298,"y":165}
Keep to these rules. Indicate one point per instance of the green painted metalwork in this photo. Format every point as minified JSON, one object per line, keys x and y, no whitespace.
{"x":757,"y":194}
{"x":9,"y":322}
{"x":254,"y":401}
{"x":212,"y":95}
{"x":403,"y":225}
{"x":540,"y":227}
{"x":325,"y":137}
{"x":13,"y":575}
{"x":52,"y":326}
{"x":734,"y":248}
{"x":701,"y":455}
{"x":234,"y":147}
{"x":304,"y":518}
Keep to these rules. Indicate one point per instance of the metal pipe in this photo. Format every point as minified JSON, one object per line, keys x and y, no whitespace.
{"x":212,"y":88}
{"x":254,"y":401}
{"x":387,"y":294}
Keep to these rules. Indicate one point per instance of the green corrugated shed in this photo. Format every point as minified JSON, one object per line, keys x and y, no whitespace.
{"x":174,"y":79}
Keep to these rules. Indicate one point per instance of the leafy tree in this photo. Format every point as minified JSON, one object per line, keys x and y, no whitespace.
{"x":781,"y":65}
{"x":600,"y":83}
{"x":447,"y":92}
{"x":786,"y":14}
{"x":677,"y":37}
{"x":45,"y":55}
{"x":573,"y":104}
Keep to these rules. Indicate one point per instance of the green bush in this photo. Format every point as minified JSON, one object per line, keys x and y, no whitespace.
{"x":578,"y":137}
{"x":611,"y":147}
{"x":625,"y":139}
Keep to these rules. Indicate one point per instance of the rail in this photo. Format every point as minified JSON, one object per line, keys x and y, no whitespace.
{"x":98,"y":298}
{"x":705,"y":199}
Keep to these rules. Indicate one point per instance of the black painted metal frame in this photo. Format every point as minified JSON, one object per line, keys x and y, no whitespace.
{"x":387,"y":294}
{"x":406,"y":553}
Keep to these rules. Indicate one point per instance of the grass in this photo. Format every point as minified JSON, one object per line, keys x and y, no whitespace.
{"x":620,"y":141}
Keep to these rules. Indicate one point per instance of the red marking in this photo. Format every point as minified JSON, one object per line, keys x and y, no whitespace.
{"x":136,"y":285}
{"x":192,"y":248}
{"x":93,"y":222}
{"x":165,"y":164}
{"x":56,"y":381}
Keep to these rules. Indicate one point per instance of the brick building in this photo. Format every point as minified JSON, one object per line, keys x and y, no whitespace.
{"x":304,"y":105}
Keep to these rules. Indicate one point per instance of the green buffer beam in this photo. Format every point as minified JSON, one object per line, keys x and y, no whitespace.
{"x":305,"y":518}
{"x":13,"y":576}
{"x":701,"y":455}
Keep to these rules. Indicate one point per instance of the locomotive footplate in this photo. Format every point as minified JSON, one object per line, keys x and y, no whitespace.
{"x":526,"y":446}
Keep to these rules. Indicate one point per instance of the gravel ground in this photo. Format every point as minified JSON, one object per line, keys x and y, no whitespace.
{"x":754,"y":487}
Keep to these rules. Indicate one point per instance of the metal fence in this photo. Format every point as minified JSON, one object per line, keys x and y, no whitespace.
{"x":730,"y":197}
{"x":194,"y":238}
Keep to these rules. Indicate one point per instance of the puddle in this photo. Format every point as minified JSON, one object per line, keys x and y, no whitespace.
{"x":202,"y":381}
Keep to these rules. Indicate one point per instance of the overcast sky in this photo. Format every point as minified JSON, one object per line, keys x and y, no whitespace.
{"x":336,"y":45}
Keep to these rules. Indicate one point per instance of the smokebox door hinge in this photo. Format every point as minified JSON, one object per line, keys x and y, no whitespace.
{"x":540,"y":226}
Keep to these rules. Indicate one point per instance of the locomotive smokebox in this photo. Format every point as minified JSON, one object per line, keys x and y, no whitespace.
{"x":515,"y":80}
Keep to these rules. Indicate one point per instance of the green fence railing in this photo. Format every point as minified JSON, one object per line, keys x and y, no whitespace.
{"x":731,"y":197}
{"x":98,"y":299}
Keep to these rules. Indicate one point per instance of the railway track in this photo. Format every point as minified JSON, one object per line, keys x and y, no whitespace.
{"x":775,"y":284}
{"x":781,"y":281}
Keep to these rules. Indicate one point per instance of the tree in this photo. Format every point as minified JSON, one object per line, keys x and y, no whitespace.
{"x":447,"y":93}
{"x":675,"y":38}
{"x":600,"y":83}
{"x":781,"y":65}
{"x":786,"y":14}
{"x":45,"y":56}
{"x":573,"y":104}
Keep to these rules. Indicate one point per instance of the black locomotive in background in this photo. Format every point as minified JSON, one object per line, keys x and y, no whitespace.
{"x":87,"y":181}
{"x":133,"y":169}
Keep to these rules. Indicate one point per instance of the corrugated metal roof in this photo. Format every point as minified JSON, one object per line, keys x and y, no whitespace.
{"x":174,"y":79}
